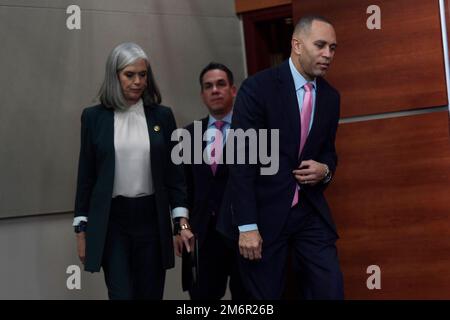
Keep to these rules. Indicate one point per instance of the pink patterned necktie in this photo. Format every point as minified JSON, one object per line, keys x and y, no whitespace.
{"x":305,"y":119}
{"x":216,"y":150}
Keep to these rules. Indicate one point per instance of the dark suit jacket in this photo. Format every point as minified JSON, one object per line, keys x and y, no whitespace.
{"x":205,"y":192}
{"x":96,"y":177}
{"x":268,"y":100}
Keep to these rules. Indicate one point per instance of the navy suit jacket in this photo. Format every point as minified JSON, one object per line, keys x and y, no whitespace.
{"x":205,"y":190}
{"x":96,"y":177}
{"x":268,"y":100}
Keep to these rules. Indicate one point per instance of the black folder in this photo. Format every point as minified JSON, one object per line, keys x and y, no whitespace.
{"x":190,"y":268}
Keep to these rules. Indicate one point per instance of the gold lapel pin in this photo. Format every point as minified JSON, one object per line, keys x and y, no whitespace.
{"x":156,"y":128}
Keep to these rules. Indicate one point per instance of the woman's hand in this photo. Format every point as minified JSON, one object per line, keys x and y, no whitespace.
{"x":178,"y":245}
{"x":81,"y":246}
{"x":186,"y":236}
{"x":188,"y":239}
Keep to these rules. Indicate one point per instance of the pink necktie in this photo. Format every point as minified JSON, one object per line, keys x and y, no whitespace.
{"x":217,"y":145}
{"x":305,"y":119}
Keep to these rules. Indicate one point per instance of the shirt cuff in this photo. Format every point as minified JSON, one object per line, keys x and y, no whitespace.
{"x":180,"y":212}
{"x":248,"y":227}
{"x":77,"y":220}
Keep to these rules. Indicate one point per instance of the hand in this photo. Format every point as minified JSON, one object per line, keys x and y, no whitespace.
{"x":310,"y":172}
{"x":250,"y":244}
{"x":186,"y":235}
{"x":81,"y":246}
{"x":178,"y":245}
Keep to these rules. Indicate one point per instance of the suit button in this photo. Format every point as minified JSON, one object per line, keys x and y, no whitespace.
{"x":213,"y":213}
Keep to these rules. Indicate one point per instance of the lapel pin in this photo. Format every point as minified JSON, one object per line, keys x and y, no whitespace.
{"x":156,"y":128}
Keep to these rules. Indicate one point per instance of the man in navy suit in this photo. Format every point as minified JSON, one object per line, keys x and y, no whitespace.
{"x":270,"y":213}
{"x":217,"y":257}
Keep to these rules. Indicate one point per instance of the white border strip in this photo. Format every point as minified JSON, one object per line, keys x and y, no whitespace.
{"x":445,"y":47}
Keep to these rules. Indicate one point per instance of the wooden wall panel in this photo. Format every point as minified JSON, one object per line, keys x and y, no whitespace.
{"x":391,"y":202}
{"x":257,"y":49}
{"x":399,"y":67}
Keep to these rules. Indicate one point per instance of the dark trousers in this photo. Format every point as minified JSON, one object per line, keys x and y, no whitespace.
{"x":132,"y":261}
{"x":314,"y":258}
{"x":217,"y":263}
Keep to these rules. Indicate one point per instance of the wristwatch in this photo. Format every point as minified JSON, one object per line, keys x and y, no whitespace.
{"x":327,"y":175}
{"x":81,"y":227}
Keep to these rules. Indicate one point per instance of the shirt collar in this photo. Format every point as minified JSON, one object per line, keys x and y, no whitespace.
{"x":137,"y":107}
{"x":299,"y":80}
{"x":226,"y":119}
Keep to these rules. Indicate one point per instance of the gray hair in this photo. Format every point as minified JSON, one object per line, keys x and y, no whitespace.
{"x":304,"y":24}
{"x":123,"y":55}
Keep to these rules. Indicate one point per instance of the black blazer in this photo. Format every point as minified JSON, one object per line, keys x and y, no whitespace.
{"x":96,"y":177}
{"x":268,"y":100}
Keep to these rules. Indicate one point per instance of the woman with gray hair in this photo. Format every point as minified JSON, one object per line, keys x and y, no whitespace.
{"x":127,"y":183}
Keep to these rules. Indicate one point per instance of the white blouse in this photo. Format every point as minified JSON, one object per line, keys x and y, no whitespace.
{"x":132,"y":175}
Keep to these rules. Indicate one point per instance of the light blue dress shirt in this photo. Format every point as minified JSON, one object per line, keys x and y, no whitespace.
{"x":299,"y":82}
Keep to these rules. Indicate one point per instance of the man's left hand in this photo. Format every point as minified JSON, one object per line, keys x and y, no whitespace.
{"x":310,"y":172}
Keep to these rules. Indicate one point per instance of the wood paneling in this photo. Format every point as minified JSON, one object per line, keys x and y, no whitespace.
{"x":257,"y":46}
{"x":391,"y":202}
{"x":252,"y":5}
{"x":399,"y":67}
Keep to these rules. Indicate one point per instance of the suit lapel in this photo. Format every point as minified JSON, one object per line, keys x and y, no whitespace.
{"x":206,"y":168}
{"x":109,"y":127}
{"x":290,"y":105}
{"x":156,"y":139}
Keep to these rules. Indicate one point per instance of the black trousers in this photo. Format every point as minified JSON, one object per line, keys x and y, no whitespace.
{"x":218,"y":263}
{"x":314,"y":256}
{"x":132,"y":261}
